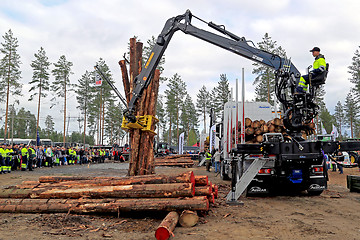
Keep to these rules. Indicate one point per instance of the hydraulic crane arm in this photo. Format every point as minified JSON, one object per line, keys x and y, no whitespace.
{"x":287,"y":74}
{"x":232,"y":43}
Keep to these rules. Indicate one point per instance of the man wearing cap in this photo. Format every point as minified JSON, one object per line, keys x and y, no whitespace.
{"x":319,"y":67}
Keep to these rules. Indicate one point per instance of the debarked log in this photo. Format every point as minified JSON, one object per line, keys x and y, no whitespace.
{"x":186,"y":177}
{"x":124,"y":191}
{"x":201,"y":180}
{"x":199,"y":203}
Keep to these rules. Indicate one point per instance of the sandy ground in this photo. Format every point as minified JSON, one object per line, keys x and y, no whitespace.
{"x":333,"y":215}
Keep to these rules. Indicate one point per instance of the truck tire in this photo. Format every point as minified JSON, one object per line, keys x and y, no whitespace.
{"x":353,"y":157}
{"x":223,"y":174}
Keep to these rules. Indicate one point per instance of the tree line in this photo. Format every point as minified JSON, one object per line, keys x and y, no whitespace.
{"x":101,"y":112}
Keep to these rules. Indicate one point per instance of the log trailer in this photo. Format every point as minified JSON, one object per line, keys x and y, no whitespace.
{"x":292,"y":161}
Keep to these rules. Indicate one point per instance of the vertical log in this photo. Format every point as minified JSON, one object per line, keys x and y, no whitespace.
{"x":132,"y":71}
{"x":125,"y":79}
{"x":152,"y":111}
{"x":135,"y":133}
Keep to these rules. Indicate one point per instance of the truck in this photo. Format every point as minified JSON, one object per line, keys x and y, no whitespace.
{"x":277,"y":162}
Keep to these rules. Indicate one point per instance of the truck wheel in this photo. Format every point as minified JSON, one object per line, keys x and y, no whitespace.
{"x":223,"y":174}
{"x":354,"y":157}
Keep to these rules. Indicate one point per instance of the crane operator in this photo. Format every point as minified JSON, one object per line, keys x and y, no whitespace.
{"x":319,"y":67}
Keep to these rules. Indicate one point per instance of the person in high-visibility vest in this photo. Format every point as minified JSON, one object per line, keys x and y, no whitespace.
{"x":24,"y":158}
{"x":319,"y":66}
{"x":74,"y":156}
{"x":8,"y":161}
{"x":2,"y":159}
{"x":49,"y":154}
{"x":31,"y":157}
{"x":208,"y":159}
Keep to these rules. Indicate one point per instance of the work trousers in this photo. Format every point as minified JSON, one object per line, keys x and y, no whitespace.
{"x":208,"y":163}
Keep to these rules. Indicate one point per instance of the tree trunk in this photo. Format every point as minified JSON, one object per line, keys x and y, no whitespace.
{"x":38,"y":113}
{"x":7,"y":97}
{"x":103,"y":123}
{"x":167,"y":226}
{"x":204,"y":117}
{"x":125,"y":79}
{"x":85,"y":123}
{"x":64,"y":136}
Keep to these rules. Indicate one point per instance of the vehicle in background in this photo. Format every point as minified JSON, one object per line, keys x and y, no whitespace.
{"x":161,"y":149}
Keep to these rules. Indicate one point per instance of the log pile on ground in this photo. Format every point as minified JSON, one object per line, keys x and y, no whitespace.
{"x":254,"y":129}
{"x":183,"y":160}
{"x":52,"y":194}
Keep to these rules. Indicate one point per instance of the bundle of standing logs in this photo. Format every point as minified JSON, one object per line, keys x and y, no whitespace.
{"x":254,"y":130}
{"x":142,"y":155}
{"x":108,"y":194}
{"x":174,"y":161}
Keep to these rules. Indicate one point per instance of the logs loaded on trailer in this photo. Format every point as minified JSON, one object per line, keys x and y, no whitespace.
{"x":254,"y":129}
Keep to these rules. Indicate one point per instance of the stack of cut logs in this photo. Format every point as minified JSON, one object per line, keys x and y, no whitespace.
{"x":254,"y":130}
{"x":183,"y":160}
{"x":142,"y":155}
{"x":109,"y":194}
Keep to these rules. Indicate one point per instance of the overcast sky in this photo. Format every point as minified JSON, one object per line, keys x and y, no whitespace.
{"x":86,"y":30}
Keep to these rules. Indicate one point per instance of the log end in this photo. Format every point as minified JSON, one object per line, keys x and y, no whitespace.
{"x":188,"y":218}
{"x":162,"y":233}
{"x":192,"y":178}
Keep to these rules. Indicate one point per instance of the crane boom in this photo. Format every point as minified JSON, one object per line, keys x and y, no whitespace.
{"x":286,"y":74}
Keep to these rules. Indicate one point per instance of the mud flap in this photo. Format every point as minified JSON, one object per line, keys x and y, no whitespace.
{"x":260,"y":186}
{"x":317,"y":186}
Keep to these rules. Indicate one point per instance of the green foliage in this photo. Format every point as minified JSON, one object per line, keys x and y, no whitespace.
{"x":40,"y":79}
{"x":265,"y":79}
{"x":61,"y":72}
{"x":193,"y":137}
{"x":188,"y":118}
{"x":174,"y":97}
{"x":326,"y":119}
{"x":83,"y":93}
{"x":49,"y":126}
{"x":219,"y":96}
{"x":354,"y":70}
{"x":99,"y":100}
{"x":351,"y":110}
{"x":77,"y":137}
{"x":161,"y":115}
{"x":339,"y":116}
{"x":113,"y":122}
{"x":10,"y":66}
{"x":203,"y":103}
{"x":147,"y":49}
{"x":24,"y":124}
